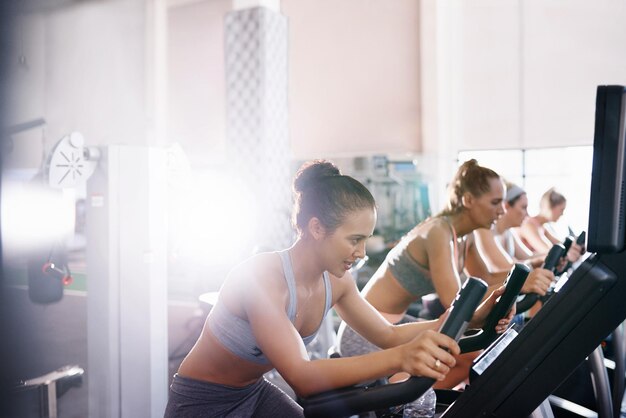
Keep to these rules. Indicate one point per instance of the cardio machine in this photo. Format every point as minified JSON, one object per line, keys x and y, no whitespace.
{"x":358,"y":399}
{"x":518,"y":378}
{"x":380,"y":395}
{"x":551,"y":262}
{"x":589,"y":306}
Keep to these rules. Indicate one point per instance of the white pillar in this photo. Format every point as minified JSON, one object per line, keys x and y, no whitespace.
{"x":442,"y":77}
{"x":156,"y":72}
{"x":257,"y":117}
{"x":127,"y":283}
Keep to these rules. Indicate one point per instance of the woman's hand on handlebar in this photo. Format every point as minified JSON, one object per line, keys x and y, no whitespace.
{"x":429,"y":354}
{"x":538,"y":281}
{"x":478,"y":319}
{"x":574,"y":253}
{"x":537,"y":262}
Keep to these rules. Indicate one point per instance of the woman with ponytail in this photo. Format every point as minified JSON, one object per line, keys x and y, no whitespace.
{"x":434,"y":257}
{"x":272,"y":305}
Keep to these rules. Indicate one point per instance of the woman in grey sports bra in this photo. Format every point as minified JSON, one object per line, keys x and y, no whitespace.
{"x":432,"y":257}
{"x":272,"y":304}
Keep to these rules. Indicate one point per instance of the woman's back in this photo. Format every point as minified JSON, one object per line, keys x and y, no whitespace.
{"x":405,"y":275}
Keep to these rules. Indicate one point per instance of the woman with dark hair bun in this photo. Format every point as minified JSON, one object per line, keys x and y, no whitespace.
{"x":434,"y":256}
{"x":272,"y":305}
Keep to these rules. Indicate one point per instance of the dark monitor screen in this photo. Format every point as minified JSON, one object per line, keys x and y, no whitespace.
{"x":607,"y":204}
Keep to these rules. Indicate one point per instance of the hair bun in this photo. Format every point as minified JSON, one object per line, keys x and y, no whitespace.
{"x":322,"y":192}
{"x":312,"y":172}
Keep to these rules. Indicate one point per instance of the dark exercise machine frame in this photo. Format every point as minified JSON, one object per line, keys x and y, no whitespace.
{"x":571,"y":324}
{"x":380,"y":395}
{"x":357,"y":399}
{"x":562,"y":334}
{"x":589,"y":306}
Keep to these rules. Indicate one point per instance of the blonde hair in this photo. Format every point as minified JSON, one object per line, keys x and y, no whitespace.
{"x":552,"y":198}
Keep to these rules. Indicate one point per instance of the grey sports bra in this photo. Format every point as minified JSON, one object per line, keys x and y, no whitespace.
{"x":236,"y":333}
{"x":412,"y":275}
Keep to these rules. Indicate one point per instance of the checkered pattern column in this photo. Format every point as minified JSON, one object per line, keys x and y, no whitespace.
{"x":257,"y":119}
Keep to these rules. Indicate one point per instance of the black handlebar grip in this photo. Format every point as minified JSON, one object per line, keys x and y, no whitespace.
{"x":514,"y":282}
{"x":354,"y":400}
{"x":581,"y":238}
{"x":551,"y":261}
{"x":567,"y":243}
{"x":463,"y":307}
{"x":580,"y":241}
{"x":526,"y":303}
{"x":554,"y":256}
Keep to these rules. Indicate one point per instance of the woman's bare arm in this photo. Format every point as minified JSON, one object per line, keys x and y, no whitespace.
{"x":442,"y":262}
{"x":362,"y":317}
{"x":491,"y":251}
{"x":476,"y":266}
{"x":283,"y":346}
{"x":538,"y":279}
{"x":522,"y":252}
{"x":530,"y":232}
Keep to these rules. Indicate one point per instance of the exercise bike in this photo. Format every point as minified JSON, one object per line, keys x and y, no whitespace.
{"x":379,"y":396}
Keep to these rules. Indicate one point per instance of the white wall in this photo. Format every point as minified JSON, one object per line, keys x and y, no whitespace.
{"x":500,"y":74}
{"x":529,"y":70}
{"x":354,"y":85}
{"x":570,"y":47}
{"x":25,"y":88}
{"x":90,"y":68}
{"x":365,"y":77}
{"x":354,"y":77}
{"x":26,"y":83}
{"x":196,"y":79}
{"x":489,"y":74}
{"x":440,"y":94}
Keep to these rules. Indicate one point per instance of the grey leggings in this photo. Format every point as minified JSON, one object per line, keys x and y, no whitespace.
{"x":194,"y":398}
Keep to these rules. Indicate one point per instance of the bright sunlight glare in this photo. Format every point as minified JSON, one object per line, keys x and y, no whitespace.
{"x":217,"y":222}
{"x":34,"y":216}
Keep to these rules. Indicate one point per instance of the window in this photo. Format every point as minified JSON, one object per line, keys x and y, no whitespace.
{"x":536,"y":170}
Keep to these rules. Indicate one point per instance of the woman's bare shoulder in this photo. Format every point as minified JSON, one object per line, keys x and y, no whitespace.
{"x":260,"y":269}
{"x":485,"y":233}
{"x":421,"y":230}
{"x":431,"y":233}
{"x":438,"y":227}
{"x":529,"y":224}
